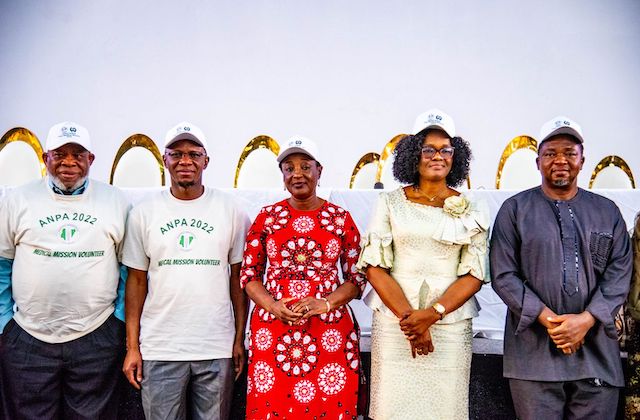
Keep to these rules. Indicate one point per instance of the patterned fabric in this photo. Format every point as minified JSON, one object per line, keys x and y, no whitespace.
{"x":307,"y":370}
{"x":426,"y":249}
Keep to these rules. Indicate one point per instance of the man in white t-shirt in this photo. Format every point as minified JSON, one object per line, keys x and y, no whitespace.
{"x":185,"y":310}
{"x":61,"y":344}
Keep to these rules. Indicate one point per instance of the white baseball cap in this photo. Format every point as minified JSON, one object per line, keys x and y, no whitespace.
{"x":299,"y":144}
{"x":434,"y":118}
{"x":185,"y":131}
{"x":560,"y":125}
{"x":68,"y":132}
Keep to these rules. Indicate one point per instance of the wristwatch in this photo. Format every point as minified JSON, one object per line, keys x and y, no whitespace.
{"x":440,"y":309}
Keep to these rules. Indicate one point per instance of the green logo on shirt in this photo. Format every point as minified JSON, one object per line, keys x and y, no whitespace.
{"x":68,"y":233}
{"x":185,"y":240}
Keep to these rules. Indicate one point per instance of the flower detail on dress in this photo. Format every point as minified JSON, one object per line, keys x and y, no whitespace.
{"x":304,"y":391}
{"x":299,"y":288}
{"x":263,"y":377}
{"x":332,"y":249}
{"x":296,"y":353}
{"x":266,"y":315}
{"x":456,"y":206}
{"x":249,"y":385}
{"x":272,"y":248}
{"x":331,"y":340}
{"x":332,"y":316}
{"x":351,"y":351}
{"x":302,"y":254}
{"x":303,"y":224}
{"x":332,"y":379}
{"x":263,"y":339}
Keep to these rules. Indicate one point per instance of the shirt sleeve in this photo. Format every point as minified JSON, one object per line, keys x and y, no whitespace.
{"x":505,"y":269}
{"x":239,"y":233}
{"x":6,"y":297}
{"x":349,"y":255}
{"x":613,"y":284}
{"x":377,"y":242}
{"x":474,"y":257}
{"x":134,"y":251}
{"x":255,"y":257}
{"x":122,"y":284}
{"x":634,"y":295}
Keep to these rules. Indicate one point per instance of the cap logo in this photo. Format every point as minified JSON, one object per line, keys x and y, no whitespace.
{"x":434,"y":119}
{"x":298,"y":142}
{"x":68,"y":132}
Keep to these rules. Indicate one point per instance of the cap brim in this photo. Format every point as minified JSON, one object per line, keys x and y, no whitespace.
{"x":290,"y":151}
{"x":564,"y":130}
{"x":184,"y":136}
{"x":437,"y":127}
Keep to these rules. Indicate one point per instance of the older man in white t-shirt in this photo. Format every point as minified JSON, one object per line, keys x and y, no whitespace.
{"x":185,"y":310}
{"x":59,"y":277}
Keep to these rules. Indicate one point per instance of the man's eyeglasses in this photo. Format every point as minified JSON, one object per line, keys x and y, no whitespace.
{"x":62,"y":155}
{"x":429,"y":152}
{"x":180,"y":155}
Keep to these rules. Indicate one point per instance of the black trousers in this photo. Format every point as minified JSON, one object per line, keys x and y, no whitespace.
{"x":73,"y":380}
{"x":572,"y":400}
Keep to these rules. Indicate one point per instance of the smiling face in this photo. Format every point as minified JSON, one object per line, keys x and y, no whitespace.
{"x":300,"y":174}
{"x":435,"y":168}
{"x":68,"y":165}
{"x":560,"y":160}
{"x":185,"y":161}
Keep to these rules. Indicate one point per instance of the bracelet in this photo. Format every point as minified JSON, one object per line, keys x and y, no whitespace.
{"x":326,"y":301}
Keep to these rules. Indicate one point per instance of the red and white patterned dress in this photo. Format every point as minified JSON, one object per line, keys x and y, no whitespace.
{"x":308,"y":370}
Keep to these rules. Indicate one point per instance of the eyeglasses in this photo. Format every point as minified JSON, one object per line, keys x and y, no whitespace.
{"x":568,"y":155}
{"x":180,"y":155}
{"x":429,"y":152}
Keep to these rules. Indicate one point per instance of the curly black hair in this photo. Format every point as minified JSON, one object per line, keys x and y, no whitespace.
{"x":408,"y":153}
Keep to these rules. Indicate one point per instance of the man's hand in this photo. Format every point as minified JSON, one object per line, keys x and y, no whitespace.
{"x":132,"y":367}
{"x":570,"y":331}
{"x":239,"y":357}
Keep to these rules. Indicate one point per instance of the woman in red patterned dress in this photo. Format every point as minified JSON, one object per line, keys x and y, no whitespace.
{"x":303,"y":354}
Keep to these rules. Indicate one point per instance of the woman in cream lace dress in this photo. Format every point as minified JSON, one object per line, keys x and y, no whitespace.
{"x":425,"y":255}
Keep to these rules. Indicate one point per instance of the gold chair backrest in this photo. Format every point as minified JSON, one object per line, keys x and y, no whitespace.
{"x":612,"y":160}
{"x":138,"y":140}
{"x":25,"y":135}
{"x":517,"y":143}
{"x":365,"y":160}
{"x":259,"y":142}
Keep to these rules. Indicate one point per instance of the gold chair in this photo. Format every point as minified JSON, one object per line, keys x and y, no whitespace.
{"x":385,"y":164}
{"x":136,"y":163}
{"x":527,"y":174}
{"x":612,"y":172}
{"x":261,"y":170}
{"x":365,"y":178}
{"x":20,"y":157}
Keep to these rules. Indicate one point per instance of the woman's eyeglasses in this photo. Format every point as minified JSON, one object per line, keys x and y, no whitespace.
{"x":429,"y":152}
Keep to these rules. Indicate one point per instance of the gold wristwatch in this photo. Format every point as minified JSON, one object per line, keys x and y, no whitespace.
{"x":440,"y":309}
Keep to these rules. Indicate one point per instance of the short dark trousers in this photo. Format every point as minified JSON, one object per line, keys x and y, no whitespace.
{"x":72,"y":380}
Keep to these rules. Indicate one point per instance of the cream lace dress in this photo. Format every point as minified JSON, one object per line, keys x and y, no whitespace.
{"x":426,"y":249}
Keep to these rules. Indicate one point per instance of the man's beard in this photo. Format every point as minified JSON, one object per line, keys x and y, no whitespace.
{"x":186,"y":184}
{"x":64,"y":188}
{"x":560,"y":182}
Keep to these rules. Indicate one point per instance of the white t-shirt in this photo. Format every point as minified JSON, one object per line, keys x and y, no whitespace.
{"x":65,"y":270}
{"x":186,"y":246}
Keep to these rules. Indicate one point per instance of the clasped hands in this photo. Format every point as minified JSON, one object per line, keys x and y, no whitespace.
{"x":415,"y":325}
{"x":298,"y":311}
{"x":568,"y":331}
